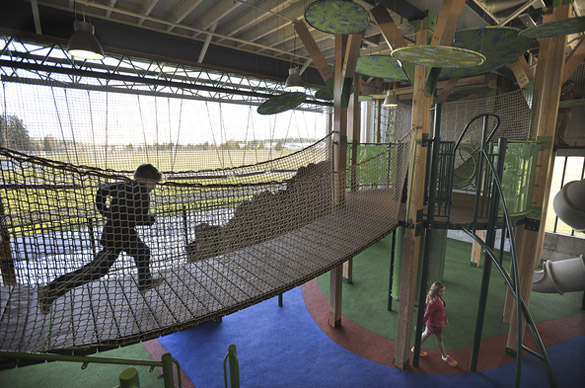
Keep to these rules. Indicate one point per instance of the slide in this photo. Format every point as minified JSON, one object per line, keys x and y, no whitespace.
{"x":561,"y":276}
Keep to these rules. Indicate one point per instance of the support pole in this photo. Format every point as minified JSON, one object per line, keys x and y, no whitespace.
{"x":490,"y":239}
{"x":411,"y":247}
{"x":392,"y":259}
{"x":548,"y":82}
{"x":428,"y":236}
{"x":339,"y":161}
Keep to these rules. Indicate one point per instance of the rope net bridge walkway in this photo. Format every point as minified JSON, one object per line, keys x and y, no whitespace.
{"x":222,"y":241}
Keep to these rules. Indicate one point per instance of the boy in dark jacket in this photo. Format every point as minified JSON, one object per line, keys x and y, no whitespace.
{"x":125,"y":205}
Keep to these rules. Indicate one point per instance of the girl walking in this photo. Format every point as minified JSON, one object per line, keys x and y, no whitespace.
{"x":435,"y":318}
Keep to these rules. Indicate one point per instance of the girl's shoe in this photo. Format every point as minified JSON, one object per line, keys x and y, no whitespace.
{"x":449,"y":360}
{"x":422,"y":352}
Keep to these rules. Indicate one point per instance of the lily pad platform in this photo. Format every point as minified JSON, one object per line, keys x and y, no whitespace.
{"x":281,"y":103}
{"x":337,"y":17}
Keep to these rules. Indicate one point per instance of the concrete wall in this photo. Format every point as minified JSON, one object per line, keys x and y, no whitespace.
{"x":561,"y":247}
{"x":556,"y":246}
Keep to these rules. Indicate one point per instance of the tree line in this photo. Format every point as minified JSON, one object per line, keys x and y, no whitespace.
{"x":14,"y":135}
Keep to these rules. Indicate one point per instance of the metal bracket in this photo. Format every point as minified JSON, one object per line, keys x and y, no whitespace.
{"x":532,"y":224}
{"x":426,"y":141}
{"x":544,"y":142}
{"x":418,"y":229}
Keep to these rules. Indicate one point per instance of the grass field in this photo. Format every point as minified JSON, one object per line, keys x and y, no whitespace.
{"x":195,"y":160}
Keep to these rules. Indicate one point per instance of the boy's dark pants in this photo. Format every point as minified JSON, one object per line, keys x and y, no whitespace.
{"x":114,"y":240}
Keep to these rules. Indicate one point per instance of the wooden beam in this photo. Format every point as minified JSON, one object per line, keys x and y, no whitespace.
{"x":352,"y":52}
{"x":412,"y":242}
{"x":447,"y":89}
{"x":447,"y":22}
{"x":574,"y":60}
{"x":339,"y":162}
{"x":548,"y":84}
{"x":522,"y":72}
{"x":388,"y":28}
{"x":353,"y":124}
{"x":313,"y":50}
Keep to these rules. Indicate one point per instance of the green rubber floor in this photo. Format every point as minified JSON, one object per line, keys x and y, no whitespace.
{"x":69,"y":374}
{"x":365,"y":300}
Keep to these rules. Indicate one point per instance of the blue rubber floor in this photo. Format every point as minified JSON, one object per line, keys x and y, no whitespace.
{"x":284,"y":347}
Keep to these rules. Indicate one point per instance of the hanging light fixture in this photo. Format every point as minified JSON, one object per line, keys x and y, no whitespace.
{"x":294,"y":82}
{"x":391,"y":100}
{"x":83,"y":43}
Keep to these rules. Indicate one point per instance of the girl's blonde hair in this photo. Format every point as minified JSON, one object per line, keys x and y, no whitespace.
{"x":434,"y":291}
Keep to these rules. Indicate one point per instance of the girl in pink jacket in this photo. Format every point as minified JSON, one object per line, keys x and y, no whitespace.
{"x":435,"y":318}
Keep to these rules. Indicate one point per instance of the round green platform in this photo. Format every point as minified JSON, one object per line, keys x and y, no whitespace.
{"x":281,"y":103}
{"x":555,"y":28}
{"x":438,"y":56}
{"x":324,"y":94}
{"x":499,"y":45}
{"x":380,"y":66}
{"x":337,"y":17}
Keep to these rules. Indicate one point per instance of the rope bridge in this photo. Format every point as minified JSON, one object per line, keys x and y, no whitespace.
{"x":222,"y":241}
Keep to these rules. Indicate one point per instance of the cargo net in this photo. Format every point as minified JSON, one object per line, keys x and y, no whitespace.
{"x":114,"y":130}
{"x":199,"y":246}
{"x":395,"y":122}
{"x":571,"y":117}
{"x":514,"y":112}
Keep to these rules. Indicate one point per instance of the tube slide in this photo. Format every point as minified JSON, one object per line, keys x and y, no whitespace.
{"x":561,"y":276}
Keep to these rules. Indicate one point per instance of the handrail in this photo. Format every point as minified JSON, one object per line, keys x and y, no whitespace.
{"x":166,"y":363}
{"x":471,"y":121}
{"x":513,"y":284}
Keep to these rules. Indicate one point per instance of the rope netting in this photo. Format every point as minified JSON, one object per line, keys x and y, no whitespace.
{"x":119,"y":131}
{"x":222,"y":240}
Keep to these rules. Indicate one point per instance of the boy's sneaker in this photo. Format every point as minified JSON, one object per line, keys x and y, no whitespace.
{"x":449,"y":360}
{"x":422,"y":353}
{"x":149,"y":283}
{"x":45,"y":301}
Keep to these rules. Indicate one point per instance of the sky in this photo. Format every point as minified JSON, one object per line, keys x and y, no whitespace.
{"x":97,"y":117}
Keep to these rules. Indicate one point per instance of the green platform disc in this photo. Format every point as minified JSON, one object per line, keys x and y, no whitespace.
{"x":555,"y":28}
{"x":499,"y":45}
{"x":281,"y":103}
{"x":380,"y":66}
{"x":324,"y":94}
{"x":337,"y":16}
{"x":438,"y":56}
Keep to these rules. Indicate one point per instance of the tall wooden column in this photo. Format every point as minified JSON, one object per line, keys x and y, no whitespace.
{"x":549,"y":74}
{"x":353,"y":123}
{"x":421,"y":105}
{"x":346,"y":54}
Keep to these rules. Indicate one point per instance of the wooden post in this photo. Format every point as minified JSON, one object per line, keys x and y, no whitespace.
{"x":353,"y":120}
{"x":346,"y":54}
{"x":340,"y":138}
{"x":549,"y":74}
{"x":421,"y":105}
{"x":476,"y":250}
